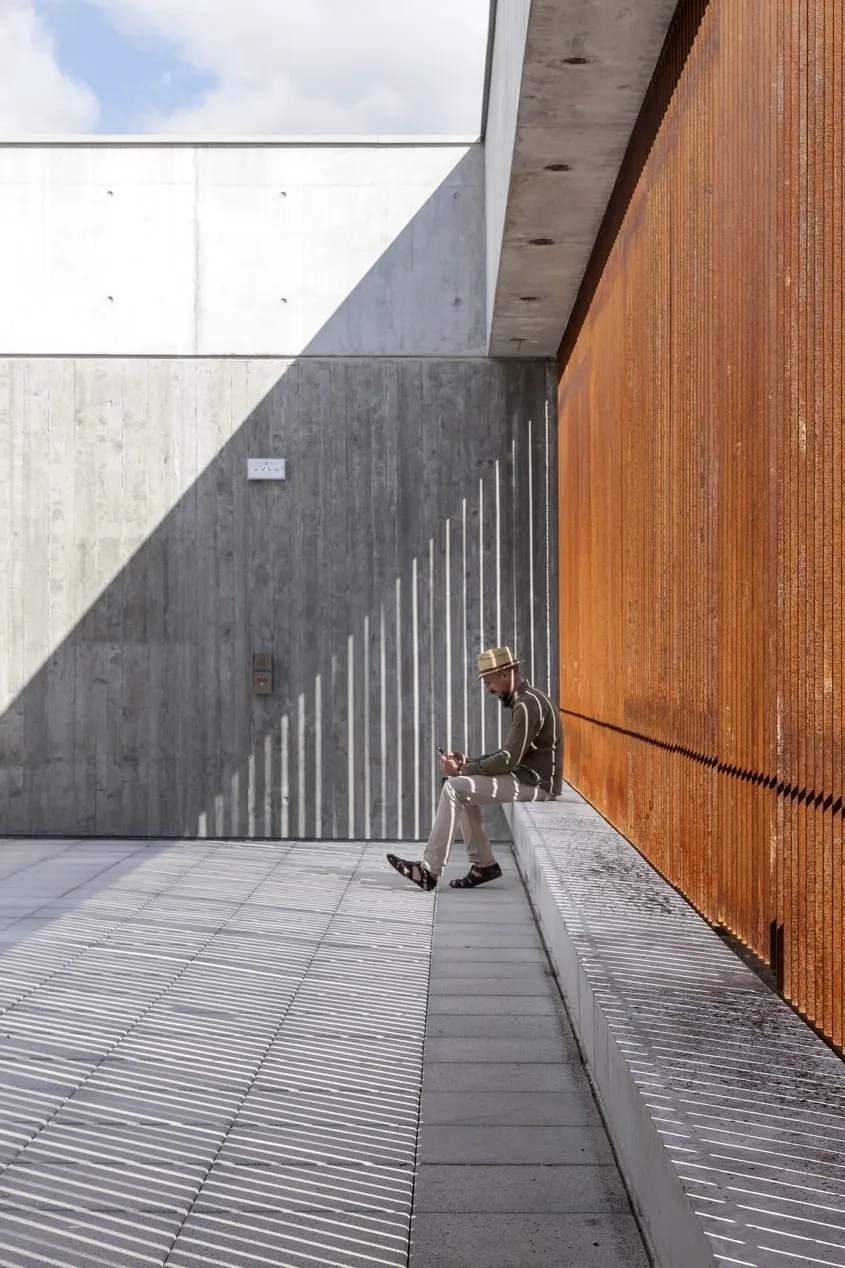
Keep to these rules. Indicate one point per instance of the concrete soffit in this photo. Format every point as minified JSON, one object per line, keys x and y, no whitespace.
{"x":586,"y":70}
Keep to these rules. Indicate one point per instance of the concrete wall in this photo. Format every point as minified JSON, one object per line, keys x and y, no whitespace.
{"x":505,"y":87}
{"x":141,"y":571}
{"x":251,"y":250}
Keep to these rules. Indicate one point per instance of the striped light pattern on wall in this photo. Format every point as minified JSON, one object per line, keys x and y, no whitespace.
{"x":418,"y":691}
{"x":401,"y":543}
{"x":701,"y":488}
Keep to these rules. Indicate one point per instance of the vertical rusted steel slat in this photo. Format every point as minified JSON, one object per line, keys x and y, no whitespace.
{"x":701,"y":488}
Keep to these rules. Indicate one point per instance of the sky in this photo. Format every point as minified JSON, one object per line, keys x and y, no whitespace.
{"x":242,"y":67}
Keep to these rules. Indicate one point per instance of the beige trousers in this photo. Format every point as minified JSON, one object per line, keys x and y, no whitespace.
{"x":460,"y":805}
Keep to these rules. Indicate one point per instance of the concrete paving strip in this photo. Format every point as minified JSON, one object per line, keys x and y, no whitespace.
{"x":514,"y":1169}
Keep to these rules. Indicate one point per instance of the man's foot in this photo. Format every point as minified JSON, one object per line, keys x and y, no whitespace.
{"x":414,"y":872}
{"x":477,"y":876}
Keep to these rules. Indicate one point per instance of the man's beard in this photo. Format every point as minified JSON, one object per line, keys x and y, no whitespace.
{"x":506,"y":699}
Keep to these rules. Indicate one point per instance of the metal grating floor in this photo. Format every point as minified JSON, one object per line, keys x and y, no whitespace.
{"x":209,"y":1054}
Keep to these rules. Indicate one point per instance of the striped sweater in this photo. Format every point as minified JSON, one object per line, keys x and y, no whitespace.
{"x":533,"y":750}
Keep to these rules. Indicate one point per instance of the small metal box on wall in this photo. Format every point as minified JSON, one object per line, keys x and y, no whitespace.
{"x":262,"y":674}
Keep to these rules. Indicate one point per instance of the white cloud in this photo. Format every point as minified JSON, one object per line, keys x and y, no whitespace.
{"x":35,"y":96}
{"x":321,"y":66}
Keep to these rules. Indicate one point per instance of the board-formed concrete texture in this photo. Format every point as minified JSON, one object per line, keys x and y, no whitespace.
{"x":579,"y":71}
{"x":144,"y":570}
{"x":211,"y":1054}
{"x":320,"y":303}
{"x":727,"y":1112}
{"x":142,"y":247}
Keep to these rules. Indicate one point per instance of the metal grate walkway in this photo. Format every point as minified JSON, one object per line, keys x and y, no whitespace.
{"x":195,"y":1045}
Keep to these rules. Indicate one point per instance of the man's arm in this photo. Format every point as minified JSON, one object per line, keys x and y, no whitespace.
{"x":510,"y":755}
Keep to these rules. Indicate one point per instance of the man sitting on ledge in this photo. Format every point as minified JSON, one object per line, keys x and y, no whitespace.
{"x":526,"y":768}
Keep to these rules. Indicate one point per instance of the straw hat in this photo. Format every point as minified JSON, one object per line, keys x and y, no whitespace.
{"x":496,"y":658}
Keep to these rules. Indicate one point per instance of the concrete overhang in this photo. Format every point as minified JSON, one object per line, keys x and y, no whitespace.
{"x":586,"y":66}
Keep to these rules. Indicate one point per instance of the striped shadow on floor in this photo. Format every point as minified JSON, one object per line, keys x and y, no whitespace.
{"x":210,"y":1054}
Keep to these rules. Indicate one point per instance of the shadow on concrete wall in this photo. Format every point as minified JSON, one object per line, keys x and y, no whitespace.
{"x":416,"y":523}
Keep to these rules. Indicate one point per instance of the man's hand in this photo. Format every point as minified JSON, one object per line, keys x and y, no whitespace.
{"x":452,"y":763}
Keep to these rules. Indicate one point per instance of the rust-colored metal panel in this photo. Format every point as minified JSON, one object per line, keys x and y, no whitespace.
{"x":701,"y":408}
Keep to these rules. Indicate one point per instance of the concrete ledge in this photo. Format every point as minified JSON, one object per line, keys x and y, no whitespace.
{"x":726,"y":1111}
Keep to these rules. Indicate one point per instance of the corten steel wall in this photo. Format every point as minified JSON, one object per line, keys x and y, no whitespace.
{"x":701,"y":418}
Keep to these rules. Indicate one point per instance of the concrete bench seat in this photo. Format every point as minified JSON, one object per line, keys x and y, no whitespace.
{"x":726,"y":1111}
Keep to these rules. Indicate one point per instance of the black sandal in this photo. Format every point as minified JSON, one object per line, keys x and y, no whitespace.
{"x":477,"y":876}
{"x":413,"y":872}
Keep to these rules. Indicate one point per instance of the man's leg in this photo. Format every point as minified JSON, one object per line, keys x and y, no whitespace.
{"x":470,"y":794}
{"x":476,"y":840}
{"x":443,"y":829}
{"x":461,"y":798}
{"x":425,"y":872}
